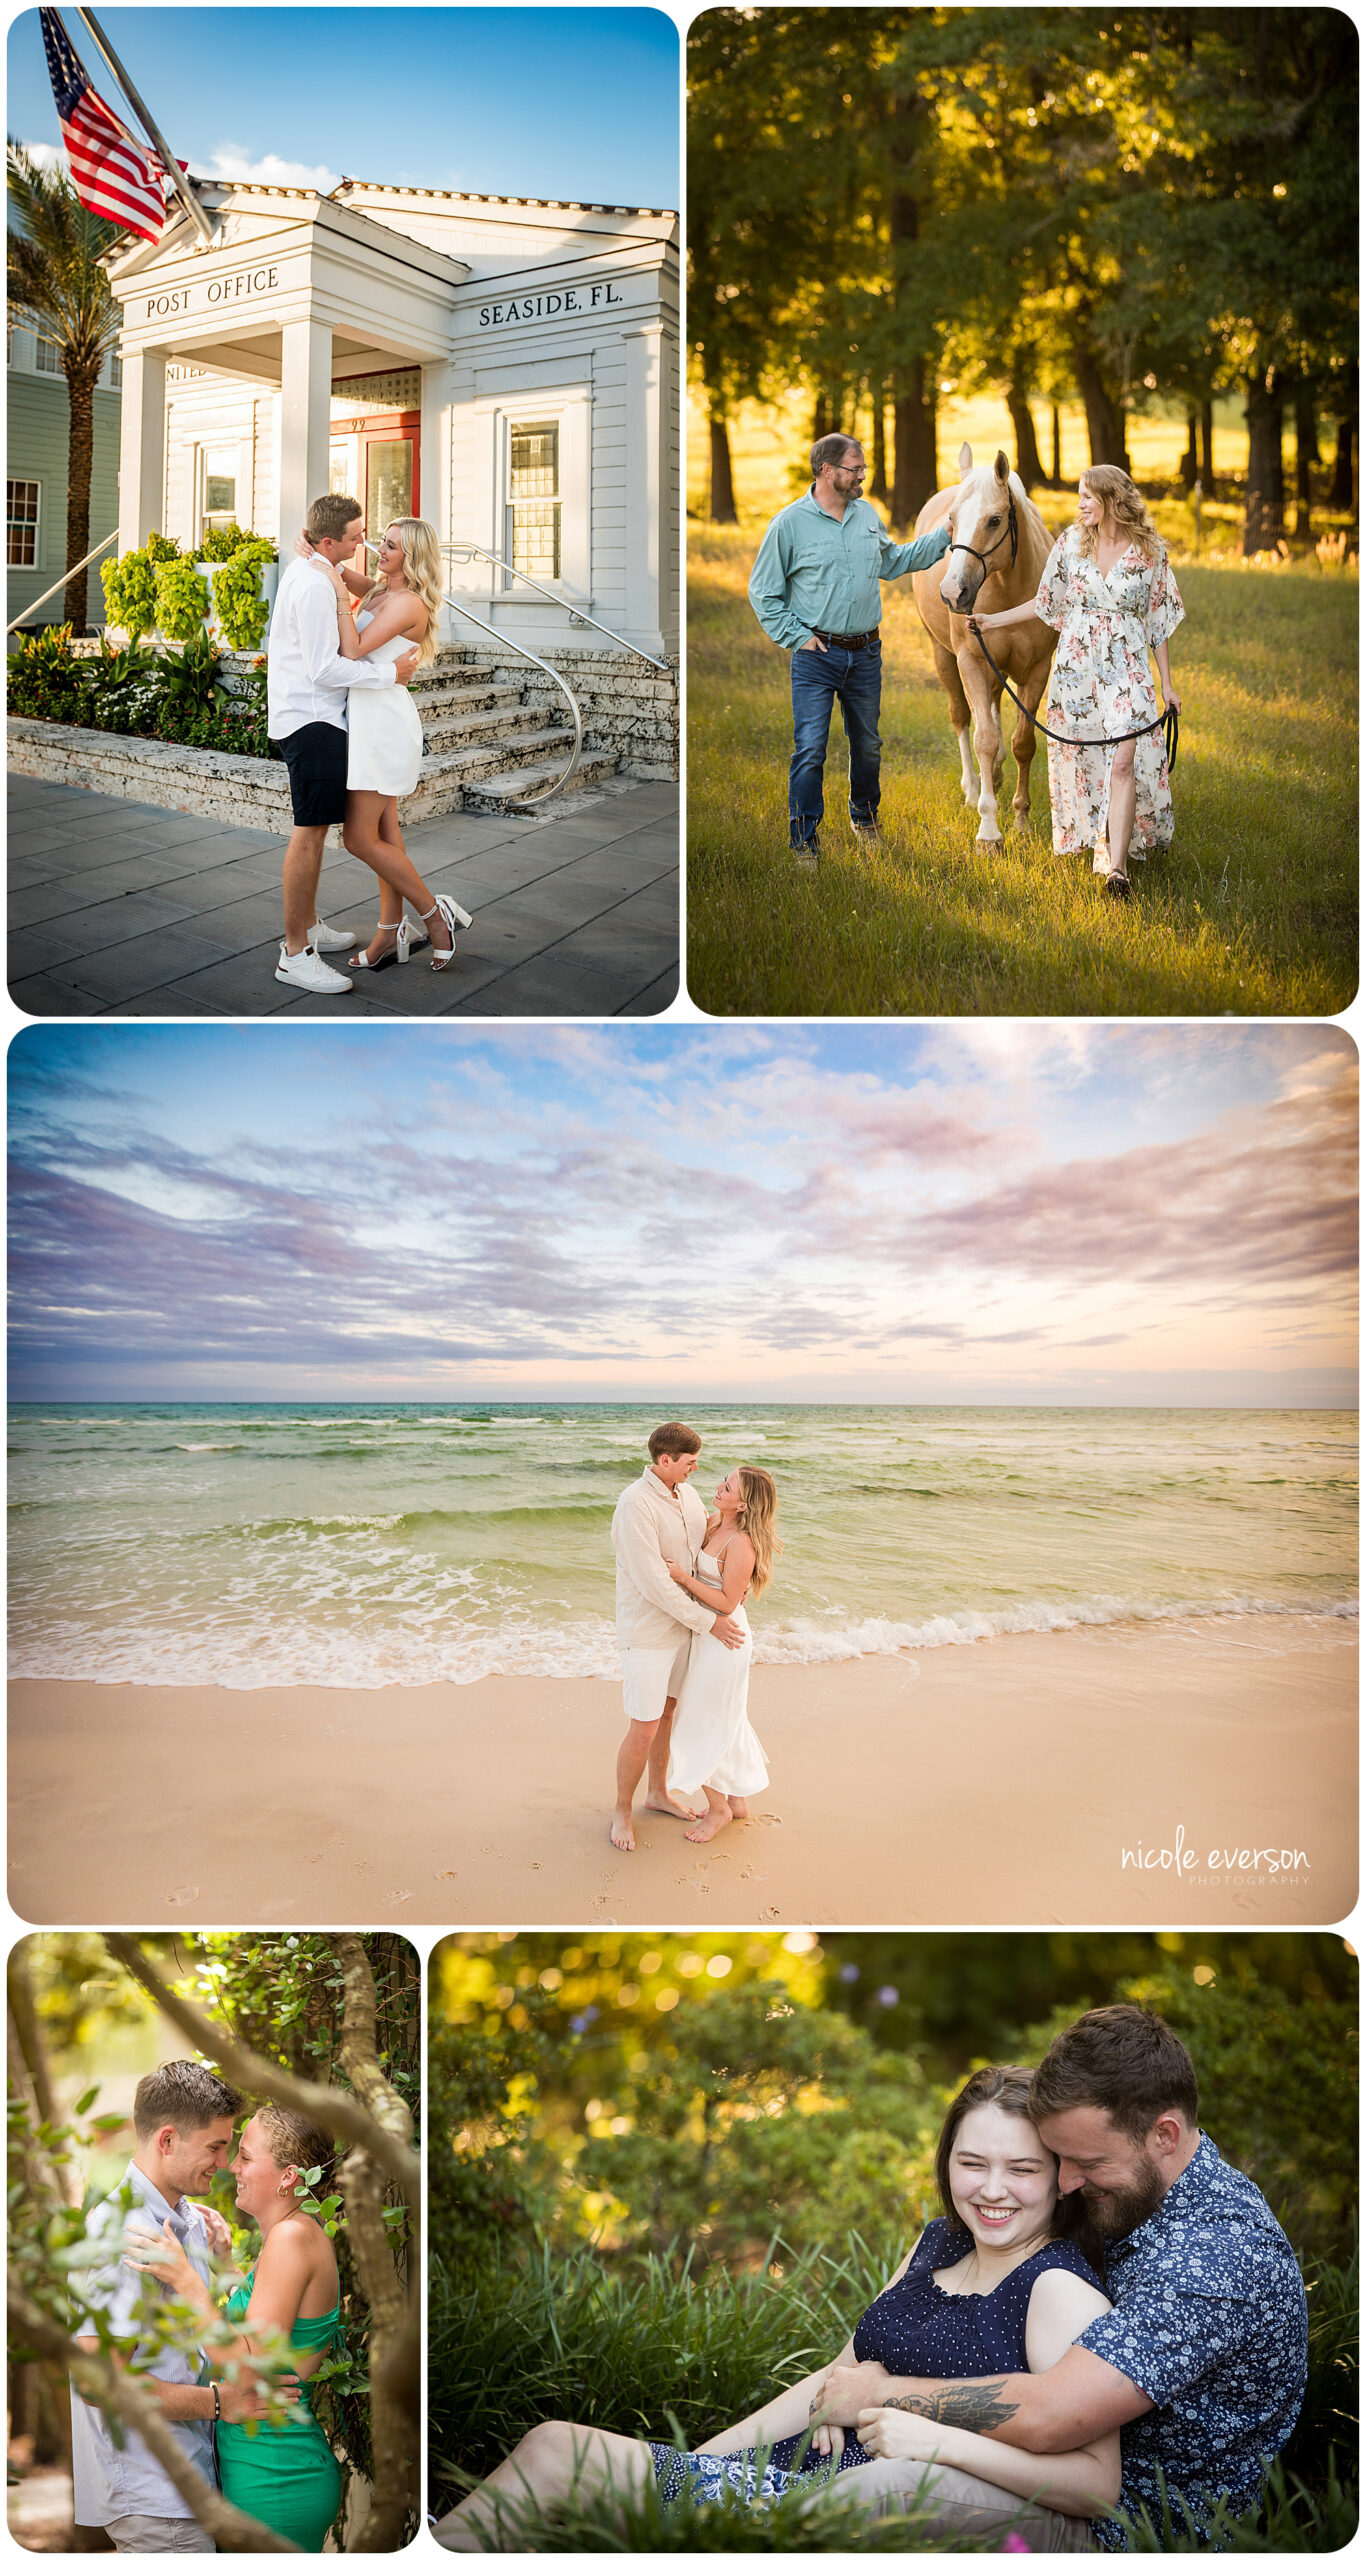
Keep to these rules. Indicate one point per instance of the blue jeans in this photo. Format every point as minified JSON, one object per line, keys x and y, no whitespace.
{"x":820,"y":678}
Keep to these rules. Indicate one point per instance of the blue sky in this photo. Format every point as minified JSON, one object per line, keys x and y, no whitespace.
{"x":574,"y":104}
{"x":1019,"y":1213}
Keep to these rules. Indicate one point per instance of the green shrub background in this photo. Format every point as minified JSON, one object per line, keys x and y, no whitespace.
{"x":660,"y":2192}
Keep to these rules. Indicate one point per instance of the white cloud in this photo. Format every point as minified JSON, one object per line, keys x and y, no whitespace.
{"x":228,"y":161}
{"x":46,"y":155}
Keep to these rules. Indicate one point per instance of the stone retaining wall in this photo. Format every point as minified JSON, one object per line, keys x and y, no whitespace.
{"x":625,"y":704}
{"x":242,"y":791}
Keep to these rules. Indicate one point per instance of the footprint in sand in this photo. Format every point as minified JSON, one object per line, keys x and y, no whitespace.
{"x":770,"y":1912}
{"x":752,"y":1875}
{"x":599,"y":1901}
{"x":184,"y":1893}
{"x":447,"y":1875}
{"x":398,"y":1897}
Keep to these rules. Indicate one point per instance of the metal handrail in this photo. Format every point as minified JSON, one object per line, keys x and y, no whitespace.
{"x":460,"y":550}
{"x":64,"y":581}
{"x":552,"y":789}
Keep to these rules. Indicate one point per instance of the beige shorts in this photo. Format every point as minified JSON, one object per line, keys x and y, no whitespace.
{"x":649,"y":1679}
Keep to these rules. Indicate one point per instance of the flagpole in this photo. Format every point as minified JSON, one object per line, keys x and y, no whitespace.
{"x":169,"y":162}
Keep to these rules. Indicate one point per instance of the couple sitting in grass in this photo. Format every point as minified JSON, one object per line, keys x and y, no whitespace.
{"x":1104,"y":2314}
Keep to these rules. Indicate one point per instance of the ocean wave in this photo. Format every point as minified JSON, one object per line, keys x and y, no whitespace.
{"x":315,"y":1654}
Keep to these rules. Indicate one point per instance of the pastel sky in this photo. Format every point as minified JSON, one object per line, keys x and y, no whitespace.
{"x":580,"y":105}
{"x":974,"y":1213}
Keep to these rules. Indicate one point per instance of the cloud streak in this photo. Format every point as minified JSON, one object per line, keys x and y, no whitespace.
{"x":743,"y":1206}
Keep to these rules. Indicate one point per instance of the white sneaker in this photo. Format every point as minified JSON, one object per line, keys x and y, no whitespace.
{"x":330,"y":937}
{"x":304,"y":969}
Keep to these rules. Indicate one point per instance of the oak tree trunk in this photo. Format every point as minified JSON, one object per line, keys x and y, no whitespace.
{"x":721,"y":499}
{"x":1190,"y":459}
{"x":1104,"y":415}
{"x":1207,"y":446}
{"x":877,"y":486}
{"x":1027,"y":461}
{"x":1306,"y":453}
{"x":914,"y":472}
{"x":1055,"y":476}
{"x":1264,"y":515}
{"x":915,"y":469}
{"x":1341,"y":493}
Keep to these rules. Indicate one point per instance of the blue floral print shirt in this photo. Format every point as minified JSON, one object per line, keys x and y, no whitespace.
{"x":1210,"y":2320}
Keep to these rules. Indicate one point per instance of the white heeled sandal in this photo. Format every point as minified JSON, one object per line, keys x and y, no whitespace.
{"x":455,"y":921}
{"x":407,"y":939}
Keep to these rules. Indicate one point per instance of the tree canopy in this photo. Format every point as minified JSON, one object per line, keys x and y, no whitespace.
{"x":1158,"y":204}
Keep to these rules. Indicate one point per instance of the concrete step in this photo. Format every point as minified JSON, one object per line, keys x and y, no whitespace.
{"x":506,"y":790}
{"x":483,"y":729}
{"x":525,"y":746}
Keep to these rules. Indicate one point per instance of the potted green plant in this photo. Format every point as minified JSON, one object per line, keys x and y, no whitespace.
{"x":182,"y":600}
{"x":244,"y":592}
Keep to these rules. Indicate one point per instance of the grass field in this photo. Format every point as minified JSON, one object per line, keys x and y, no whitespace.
{"x":1252,"y":911}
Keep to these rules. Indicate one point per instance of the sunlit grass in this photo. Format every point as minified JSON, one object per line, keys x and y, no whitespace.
{"x":1252,"y":911}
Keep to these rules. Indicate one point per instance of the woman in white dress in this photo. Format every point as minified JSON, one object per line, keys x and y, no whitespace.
{"x":713,"y":1745}
{"x":399,"y":605}
{"x":1108,"y":591}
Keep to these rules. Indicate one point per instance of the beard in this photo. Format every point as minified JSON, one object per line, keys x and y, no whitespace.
{"x":1114,"y":2212}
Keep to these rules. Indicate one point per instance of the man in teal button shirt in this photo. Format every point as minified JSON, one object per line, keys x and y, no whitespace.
{"x":814,"y":588}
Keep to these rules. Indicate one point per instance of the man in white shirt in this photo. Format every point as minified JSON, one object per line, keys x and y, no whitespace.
{"x":658,"y":1519}
{"x":182,"y":2124}
{"x":306,"y":686}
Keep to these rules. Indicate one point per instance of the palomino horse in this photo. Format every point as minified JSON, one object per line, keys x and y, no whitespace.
{"x":1000,"y":545}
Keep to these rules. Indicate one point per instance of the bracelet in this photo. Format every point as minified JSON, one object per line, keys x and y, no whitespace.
{"x":217,"y":2405}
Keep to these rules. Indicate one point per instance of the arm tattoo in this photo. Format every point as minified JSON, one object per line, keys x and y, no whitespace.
{"x":976,"y":2406}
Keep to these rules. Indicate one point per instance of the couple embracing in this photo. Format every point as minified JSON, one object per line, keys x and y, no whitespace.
{"x":683,"y":1576}
{"x":150,"y":2247}
{"x":349,"y":732}
{"x":1103,"y":2316}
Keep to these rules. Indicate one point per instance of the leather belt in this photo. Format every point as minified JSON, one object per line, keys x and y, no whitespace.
{"x":846,"y":639}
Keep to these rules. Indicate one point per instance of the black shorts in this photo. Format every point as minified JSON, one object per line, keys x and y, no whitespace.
{"x":316,"y":757}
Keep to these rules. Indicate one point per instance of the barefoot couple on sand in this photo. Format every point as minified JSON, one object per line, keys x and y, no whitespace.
{"x":682,"y":1580}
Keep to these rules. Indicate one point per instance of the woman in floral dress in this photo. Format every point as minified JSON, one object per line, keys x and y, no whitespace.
{"x":1108,"y":591}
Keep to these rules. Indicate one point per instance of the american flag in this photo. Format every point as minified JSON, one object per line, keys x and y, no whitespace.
{"x":113,"y":175}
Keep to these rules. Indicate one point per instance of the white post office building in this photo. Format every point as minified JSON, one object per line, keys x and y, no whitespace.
{"x":506,"y":368}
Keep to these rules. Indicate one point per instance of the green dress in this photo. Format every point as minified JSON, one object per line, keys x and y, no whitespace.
{"x":288,"y":2477}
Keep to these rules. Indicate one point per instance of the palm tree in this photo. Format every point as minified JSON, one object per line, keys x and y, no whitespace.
{"x":56,"y":283}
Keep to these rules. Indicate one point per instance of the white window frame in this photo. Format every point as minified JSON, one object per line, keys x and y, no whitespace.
{"x":22,"y":567}
{"x":204,"y":447}
{"x":42,"y":342}
{"x":569,"y":408}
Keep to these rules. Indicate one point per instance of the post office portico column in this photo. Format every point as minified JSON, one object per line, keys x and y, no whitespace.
{"x":142,"y":447}
{"x":646,"y":480}
{"x":305,"y":423}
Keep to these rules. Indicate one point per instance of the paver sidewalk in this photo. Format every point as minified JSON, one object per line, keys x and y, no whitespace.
{"x":121,"y":909}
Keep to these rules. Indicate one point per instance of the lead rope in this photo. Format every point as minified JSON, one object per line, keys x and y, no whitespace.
{"x":1166,"y":721}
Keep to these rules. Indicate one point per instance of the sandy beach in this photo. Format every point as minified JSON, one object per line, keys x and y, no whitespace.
{"x":1199,"y":1770}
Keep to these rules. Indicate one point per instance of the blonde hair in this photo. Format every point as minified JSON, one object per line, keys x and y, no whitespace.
{"x":758,"y":1515}
{"x":421,"y":573}
{"x":1122,"y":502}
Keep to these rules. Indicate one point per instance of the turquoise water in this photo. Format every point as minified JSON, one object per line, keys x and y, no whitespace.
{"x":254,"y":1545}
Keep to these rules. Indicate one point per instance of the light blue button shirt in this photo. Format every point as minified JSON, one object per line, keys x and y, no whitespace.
{"x":113,"y":2480}
{"x":818,"y":572}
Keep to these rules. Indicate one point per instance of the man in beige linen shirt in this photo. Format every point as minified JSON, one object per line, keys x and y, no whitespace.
{"x":659,"y":1520}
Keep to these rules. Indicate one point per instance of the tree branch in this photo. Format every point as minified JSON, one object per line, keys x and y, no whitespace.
{"x":334,"y":2109}
{"x":394,"y":2406}
{"x":133,"y":2404}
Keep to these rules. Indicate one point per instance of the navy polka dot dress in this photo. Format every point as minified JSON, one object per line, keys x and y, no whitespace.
{"x":916,"y":2327}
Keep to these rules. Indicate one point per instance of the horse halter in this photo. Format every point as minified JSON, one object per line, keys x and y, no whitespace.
{"x":1011,"y":535}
